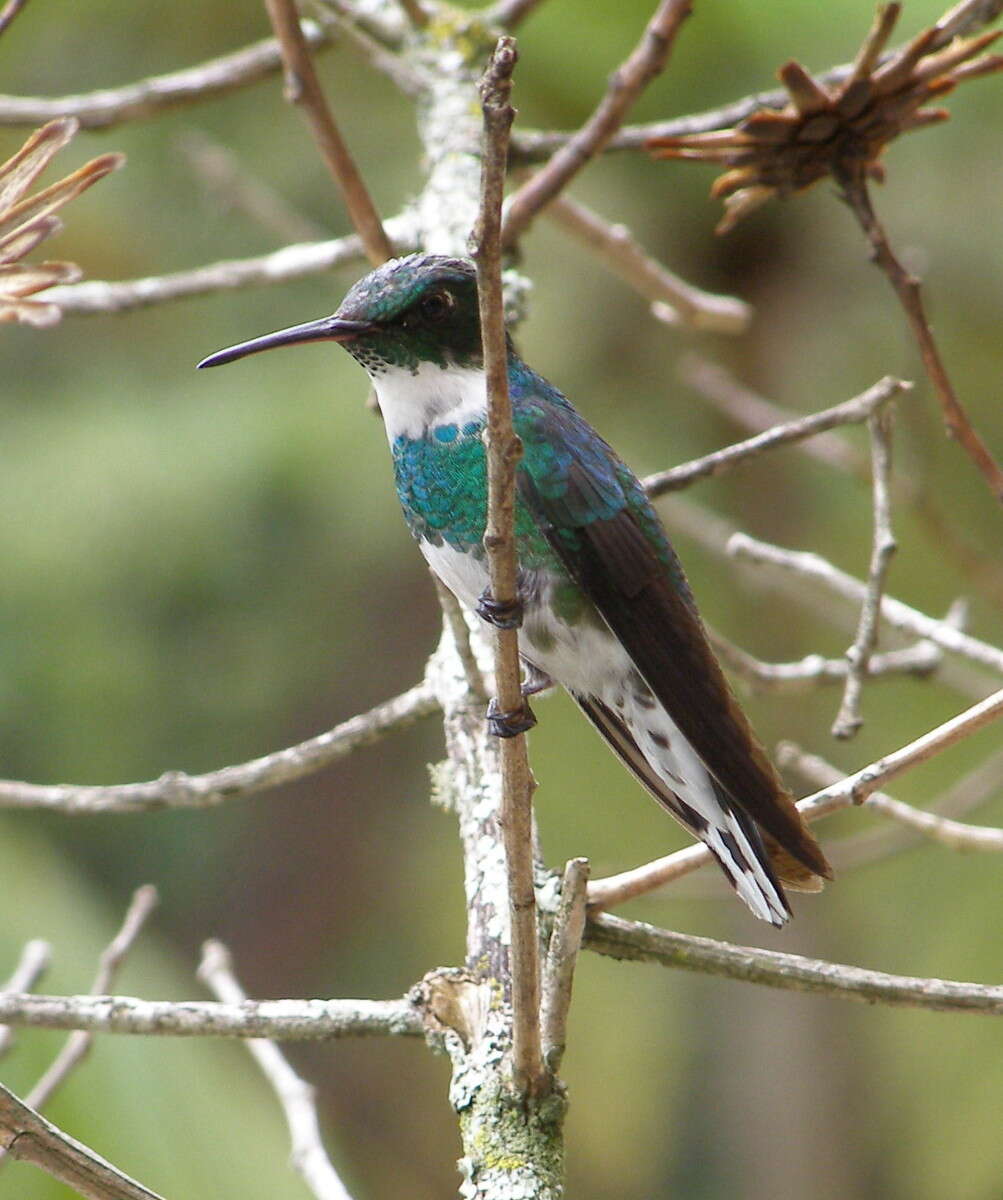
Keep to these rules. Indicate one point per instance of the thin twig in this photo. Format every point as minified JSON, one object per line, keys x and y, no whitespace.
{"x":907,"y":287}
{"x":408,"y":77}
{"x":175,"y":789}
{"x":35,"y":959}
{"x":673,"y":300}
{"x":754,"y":412}
{"x":509,"y":13}
{"x":921,"y":659}
{"x":640,"y":942}
{"x":957,"y":835}
{"x":303,"y":88}
{"x":646,"y":61}
{"x":149,"y":97}
{"x":452,"y":614}
{"x":78,"y":1044}
{"x":415,"y":13}
{"x":858,"y":656}
{"x":297,"y":1097}
{"x":854,"y":411}
{"x":9,"y":12}
{"x":234,"y":187}
{"x":96,"y":296}
{"x":850,"y":790}
{"x":503,"y":453}
{"x":562,"y":954}
{"x":282,"y":1020}
{"x":815,"y":567}
{"x":27,"y":1136}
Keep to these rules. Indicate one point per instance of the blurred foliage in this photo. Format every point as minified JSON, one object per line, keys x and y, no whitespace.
{"x":197,"y":569}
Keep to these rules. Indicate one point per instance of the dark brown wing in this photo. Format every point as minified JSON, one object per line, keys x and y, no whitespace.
{"x":618,"y":568}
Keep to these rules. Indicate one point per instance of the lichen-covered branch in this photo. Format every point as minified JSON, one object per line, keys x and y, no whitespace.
{"x":639,"y":942}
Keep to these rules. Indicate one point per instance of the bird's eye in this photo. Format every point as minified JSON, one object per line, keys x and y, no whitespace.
{"x":436,"y":305}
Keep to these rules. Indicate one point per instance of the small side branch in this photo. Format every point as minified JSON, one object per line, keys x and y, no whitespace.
{"x":646,"y":61}
{"x":78,"y":1044}
{"x":503,"y":453}
{"x":31,"y":1138}
{"x":956,"y":835}
{"x":859,"y":655}
{"x":175,"y":789}
{"x":901,"y":616}
{"x":849,"y":790}
{"x":296,"y":1096}
{"x":303,"y":88}
{"x":857,"y":195}
{"x":673,"y":300}
{"x":851,"y":412}
{"x":35,"y":959}
{"x":639,"y":942}
{"x":9,"y":11}
{"x":282,"y":1020}
{"x":149,"y":97}
{"x":562,"y":954}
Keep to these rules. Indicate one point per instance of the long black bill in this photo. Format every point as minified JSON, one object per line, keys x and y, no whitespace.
{"x":329,"y":329}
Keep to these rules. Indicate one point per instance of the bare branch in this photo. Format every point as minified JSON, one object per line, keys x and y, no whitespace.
{"x":813,"y":566}
{"x":35,"y":959}
{"x":31,"y":1138}
{"x":9,"y":12}
{"x":639,"y":942}
{"x":921,"y":659}
{"x":858,"y":657}
{"x":78,"y":1044}
{"x":854,"y":411}
{"x":303,"y":88}
{"x":406,"y":76}
{"x":149,"y":97}
{"x":673,"y":300}
{"x":503,"y":451}
{"x":415,"y":13}
{"x":297,"y":1097}
{"x":562,"y":954}
{"x":646,"y":61}
{"x":957,"y":835}
{"x":291,"y":262}
{"x":175,"y":789}
{"x":857,"y":195}
{"x":234,"y":187}
{"x":452,"y":612}
{"x":510,"y":13}
{"x":281,"y":1020}
{"x":850,"y":790}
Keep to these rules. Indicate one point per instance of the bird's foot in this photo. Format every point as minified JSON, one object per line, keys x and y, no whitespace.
{"x":535,"y":680}
{"x":500,"y":615}
{"x":510,"y":724}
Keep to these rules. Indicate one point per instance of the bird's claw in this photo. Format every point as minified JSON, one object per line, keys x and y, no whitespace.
{"x":500,"y":614}
{"x":510,"y":724}
{"x":535,"y":681}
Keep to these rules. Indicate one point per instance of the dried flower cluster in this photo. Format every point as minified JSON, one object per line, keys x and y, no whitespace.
{"x":26,"y":221}
{"x":842,"y":130}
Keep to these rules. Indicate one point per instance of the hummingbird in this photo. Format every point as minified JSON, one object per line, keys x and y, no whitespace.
{"x":604,"y":607}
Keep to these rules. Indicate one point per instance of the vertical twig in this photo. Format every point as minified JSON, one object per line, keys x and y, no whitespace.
{"x":503,"y":453}
{"x":907,"y":288}
{"x":303,"y":88}
{"x":858,"y":657}
{"x":562,"y":954}
{"x":646,"y":60}
{"x":294,"y":1094}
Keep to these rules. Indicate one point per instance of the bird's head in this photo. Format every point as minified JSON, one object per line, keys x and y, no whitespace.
{"x":409,"y":312}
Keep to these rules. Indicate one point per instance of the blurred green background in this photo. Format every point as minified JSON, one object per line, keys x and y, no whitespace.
{"x":198,"y":569}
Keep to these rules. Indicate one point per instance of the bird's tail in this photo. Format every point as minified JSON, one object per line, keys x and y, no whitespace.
{"x":730,"y":835}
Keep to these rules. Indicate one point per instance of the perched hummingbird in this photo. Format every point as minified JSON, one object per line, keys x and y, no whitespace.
{"x":606,"y":609}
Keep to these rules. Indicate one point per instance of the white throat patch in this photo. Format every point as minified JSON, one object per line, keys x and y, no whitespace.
{"x":412,"y":403}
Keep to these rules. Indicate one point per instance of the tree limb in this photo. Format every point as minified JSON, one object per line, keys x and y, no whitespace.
{"x":35,"y":959}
